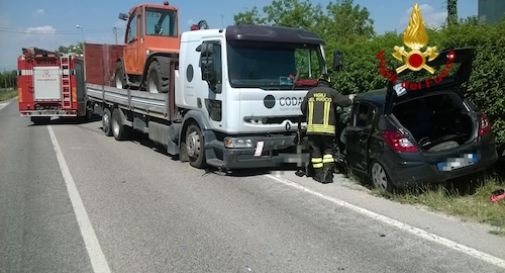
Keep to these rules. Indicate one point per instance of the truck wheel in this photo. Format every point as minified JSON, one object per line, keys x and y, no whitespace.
{"x":106,"y":124}
{"x":380,"y":178}
{"x":119,"y":77}
{"x":40,"y":120}
{"x":195,"y":146}
{"x":119,"y":130}
{"x":157,"y":82}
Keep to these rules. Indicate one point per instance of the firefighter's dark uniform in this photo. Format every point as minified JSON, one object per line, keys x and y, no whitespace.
{"x":319,"y":108}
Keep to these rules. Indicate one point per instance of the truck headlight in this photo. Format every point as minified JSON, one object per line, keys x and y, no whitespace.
{"x":230,"y":142}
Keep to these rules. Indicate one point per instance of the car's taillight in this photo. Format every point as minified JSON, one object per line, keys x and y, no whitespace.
{"x":399,"y":142}
{"x":484,"y":126}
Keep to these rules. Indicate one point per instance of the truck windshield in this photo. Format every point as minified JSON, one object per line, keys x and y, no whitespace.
{"x":274,"y":66}
{"x":161,"y":22}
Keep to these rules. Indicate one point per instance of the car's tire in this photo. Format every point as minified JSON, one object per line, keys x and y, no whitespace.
{"x":157,"y":81}
{"x":195,"y":144}
{"x":119,"y":77}
{"x":119,"y":130}
{"x":40,"y":120}
{"x":106,"y":122}
{"x":379,"y":177}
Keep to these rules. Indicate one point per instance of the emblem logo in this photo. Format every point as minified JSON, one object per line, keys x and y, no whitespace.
{"x":415,"y":38}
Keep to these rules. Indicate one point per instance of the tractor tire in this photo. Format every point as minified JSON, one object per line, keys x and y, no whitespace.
{"x":157,"y":82}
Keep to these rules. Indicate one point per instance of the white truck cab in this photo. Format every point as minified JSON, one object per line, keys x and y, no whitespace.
{"x":243,"y":86}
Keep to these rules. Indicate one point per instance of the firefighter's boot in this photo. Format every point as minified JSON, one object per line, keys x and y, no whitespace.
{"x":318,"y":175}
{"x":327,"y":174}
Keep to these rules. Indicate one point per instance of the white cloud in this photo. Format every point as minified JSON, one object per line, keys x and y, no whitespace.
{"x":40,"y":11}
{"x":433,"y":18}
{"x":41,"y":30}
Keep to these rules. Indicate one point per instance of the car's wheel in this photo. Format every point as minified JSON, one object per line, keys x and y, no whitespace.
{"x":157,"y":82}
{"x":119,"y":76}
{"x":380,"y":178}
{"x":119,"y":130}
{"x":106,"y":122}
{"x":195,"y":146}
{"x":40,"y":120}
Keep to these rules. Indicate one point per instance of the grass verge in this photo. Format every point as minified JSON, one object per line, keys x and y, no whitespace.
{"x":475,"y":205}
{"x":6,"y":94}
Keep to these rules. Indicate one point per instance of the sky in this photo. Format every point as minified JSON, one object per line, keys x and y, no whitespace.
{"x":49,"y":24}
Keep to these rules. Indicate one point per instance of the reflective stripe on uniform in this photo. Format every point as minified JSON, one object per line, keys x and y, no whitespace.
{"x":328,"y":159}
{"x":326,"y":112}
{"x":317,"y":165}
{"x":311,"y":112}
{"x":316,"y":160}
{"x":321,"y":128}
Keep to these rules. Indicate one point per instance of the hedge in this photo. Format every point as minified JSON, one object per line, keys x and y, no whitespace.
{"x":485,"y":87}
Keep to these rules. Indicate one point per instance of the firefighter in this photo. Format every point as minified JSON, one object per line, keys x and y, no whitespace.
{"x":319,"y":109}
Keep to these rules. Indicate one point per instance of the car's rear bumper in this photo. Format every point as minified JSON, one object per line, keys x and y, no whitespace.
{"x":408,"y":173}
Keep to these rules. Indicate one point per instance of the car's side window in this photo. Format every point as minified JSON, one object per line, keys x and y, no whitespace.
{"x":363,"y":115}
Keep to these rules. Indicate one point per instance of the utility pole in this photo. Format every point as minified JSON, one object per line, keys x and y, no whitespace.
{"x":114,"y":30}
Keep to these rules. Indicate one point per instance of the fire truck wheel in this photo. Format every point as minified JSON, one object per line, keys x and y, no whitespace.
{"x":119,"y":131}
{"x":106,"y":122}
{"x":195,"y":146}
{"x":119,"y":77}
{"x":40,"y":120}
{"x":156,"y":81}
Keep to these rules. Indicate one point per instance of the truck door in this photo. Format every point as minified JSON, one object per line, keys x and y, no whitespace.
{"x":358,"y":135}
{"x":132,"y":41}
{"x":212,"y":72}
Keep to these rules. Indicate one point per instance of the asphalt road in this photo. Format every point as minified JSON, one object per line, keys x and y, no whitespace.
{"x":135,"y":209}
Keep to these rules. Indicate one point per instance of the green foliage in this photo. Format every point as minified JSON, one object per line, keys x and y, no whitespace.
{"x":8,"y":79}
{"x":9,"y":93}
{"x":452,"y":12}
{"x":251,"y":17}
{"x":474,"y":206}
{"x":346,"y":21}
{"x":78,"y":49}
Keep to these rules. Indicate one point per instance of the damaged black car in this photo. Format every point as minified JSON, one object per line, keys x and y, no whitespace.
{"x":400,"y":137}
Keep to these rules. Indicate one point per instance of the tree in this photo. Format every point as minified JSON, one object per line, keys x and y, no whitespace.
{"x":248,"y":17}
{"x":8,"y":79}
{"x":290,"y":13}
{"x":452,"y":12}
{"x":294,"y":13}
{"x":347,"y":21}
{"x":77,"y":48}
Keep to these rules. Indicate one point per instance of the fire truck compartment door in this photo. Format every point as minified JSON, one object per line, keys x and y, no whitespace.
{"x":47,"y":83}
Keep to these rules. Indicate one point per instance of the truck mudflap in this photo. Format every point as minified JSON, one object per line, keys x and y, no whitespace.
{"x":255,"y":152}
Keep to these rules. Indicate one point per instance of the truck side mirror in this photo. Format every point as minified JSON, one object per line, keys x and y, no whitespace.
{"x":208,"y":64}
{"x":337,"y":61}
{"x":123,"y":16}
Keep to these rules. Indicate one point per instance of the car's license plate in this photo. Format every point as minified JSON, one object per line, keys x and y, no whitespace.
{"x":458,"y":162}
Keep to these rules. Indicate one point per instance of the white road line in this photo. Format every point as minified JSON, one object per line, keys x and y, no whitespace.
{"x":397,"y":224}
{"x":3,"y":104}
{"x":95,"y":253}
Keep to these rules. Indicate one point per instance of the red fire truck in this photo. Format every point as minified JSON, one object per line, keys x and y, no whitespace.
{"x":50,"y":85}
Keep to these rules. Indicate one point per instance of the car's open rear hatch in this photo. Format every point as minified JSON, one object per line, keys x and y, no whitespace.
{"x":453,"y":68}
{"x":435,"y":114}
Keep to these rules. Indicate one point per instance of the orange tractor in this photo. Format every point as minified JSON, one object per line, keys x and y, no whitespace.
{"x":151,"y":43}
